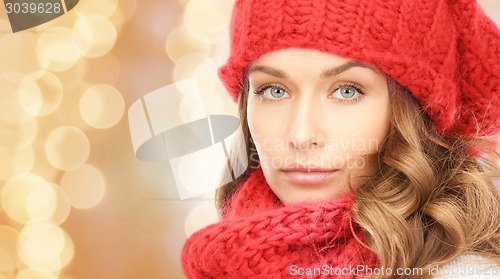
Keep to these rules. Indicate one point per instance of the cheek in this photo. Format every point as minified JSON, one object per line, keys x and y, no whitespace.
{"x":265,"y":120}
{"x":372,"y":133}
{"x":260,"y":127}
{"x":368,"y":134}
{"x":362,"y":131}
{"x":269,"y":134}
{"x":377,"y":126}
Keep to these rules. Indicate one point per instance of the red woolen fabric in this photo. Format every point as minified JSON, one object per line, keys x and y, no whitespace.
{"x":258,"y":237}
{"x":446,"y":52}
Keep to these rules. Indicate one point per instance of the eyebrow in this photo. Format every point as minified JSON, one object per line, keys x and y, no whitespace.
{"x":346,"y":66}
{"x":268,"y":70}
{"x":326,"y":74}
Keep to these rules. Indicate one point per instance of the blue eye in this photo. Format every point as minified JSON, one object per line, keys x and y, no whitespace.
{"x":272,"y":92}
{"x":347,"y":92}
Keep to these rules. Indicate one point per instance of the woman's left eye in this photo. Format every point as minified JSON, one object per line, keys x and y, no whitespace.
{"x":272,"y":93}
{"x":347,"y":93}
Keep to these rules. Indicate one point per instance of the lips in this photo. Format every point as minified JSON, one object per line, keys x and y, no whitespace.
{"x":308,"y":175}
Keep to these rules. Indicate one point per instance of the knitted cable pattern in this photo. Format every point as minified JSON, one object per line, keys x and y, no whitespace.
{"x":258,"y":237}
{"x":446,"y":52}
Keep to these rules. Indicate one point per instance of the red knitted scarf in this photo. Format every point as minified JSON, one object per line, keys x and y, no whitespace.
{"x":258,"y":237}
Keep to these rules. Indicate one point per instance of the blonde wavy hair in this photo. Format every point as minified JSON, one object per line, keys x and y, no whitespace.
{"x":430,"y":201}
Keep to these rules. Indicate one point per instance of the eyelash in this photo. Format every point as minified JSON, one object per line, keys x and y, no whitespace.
{"x":266,"y":86}
{"x":351,"y":85}
{"x":358,"y":88}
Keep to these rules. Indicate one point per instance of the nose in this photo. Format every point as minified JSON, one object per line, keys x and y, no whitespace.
{"x":305,"y":129}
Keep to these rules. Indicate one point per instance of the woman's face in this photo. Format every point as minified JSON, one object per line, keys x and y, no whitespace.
{"x":312,"y":115}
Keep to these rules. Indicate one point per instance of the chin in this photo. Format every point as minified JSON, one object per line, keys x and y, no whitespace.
{"x":292,"y":196}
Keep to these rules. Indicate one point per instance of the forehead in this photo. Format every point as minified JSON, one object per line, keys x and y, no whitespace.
{"x":283,"y":63}
{"x":290,"y":55}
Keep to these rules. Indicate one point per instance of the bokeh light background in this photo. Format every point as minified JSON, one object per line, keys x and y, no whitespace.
{"x":74,"y":201}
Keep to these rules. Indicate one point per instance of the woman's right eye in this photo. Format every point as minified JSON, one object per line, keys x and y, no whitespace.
{"x":272,"y":92}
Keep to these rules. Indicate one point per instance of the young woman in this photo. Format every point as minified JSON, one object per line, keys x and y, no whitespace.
{"x":370,"y":130}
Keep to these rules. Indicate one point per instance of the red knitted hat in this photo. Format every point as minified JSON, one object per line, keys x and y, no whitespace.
{"x":446,"y":52}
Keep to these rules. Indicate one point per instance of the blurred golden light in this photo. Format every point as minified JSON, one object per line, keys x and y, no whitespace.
{"x":183,"y":2}
{"x":55,"y":50}
{"x":85,"y":186}
{"x":34,"y":250}
{"x":102,"y":106}
{"x":181,"y":41}
{"x":10,"y":108}
{"x":52,"y":266}
{"x":15,"y":136}
{"x":206,"y":74}
{"x":6,"y":262}
{"x":214,"y":104}
{"x":68,"y":251}
{"x":67,"y":148}
{"x":209,"y":16}
{"x":106,"y":69}
{"x":94,"y":35}
{"x":124,"y":12}
{"x":200,"y":217}
{"x":5,"y":25}
{"x":15,"y":193}
{"x":40,"y":93}
{"x":202,"y":67}
{"x":204,"y":70}
{"x":62,"y":208}
{"x":222,"y":48}
{"x":104,"y":8}
{"x":8,"y":248}
{"x":41,"y":202}
{"x":36,"y":274}
{"x":18,"y":52}
{"x":40,"y":242}
{"x":15,"y":161}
